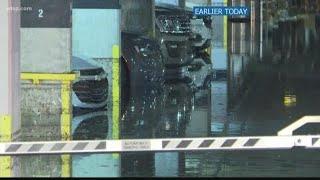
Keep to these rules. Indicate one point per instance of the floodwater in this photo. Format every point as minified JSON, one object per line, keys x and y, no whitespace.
{"x":255,"y":97}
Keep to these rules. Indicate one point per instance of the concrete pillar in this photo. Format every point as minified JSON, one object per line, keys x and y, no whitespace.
{"x":9,"y":84}
{"x":9,"y":70}
{"x":45,"y":48}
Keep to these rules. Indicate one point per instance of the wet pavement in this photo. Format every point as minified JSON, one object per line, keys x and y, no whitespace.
{"x":257,"y":97}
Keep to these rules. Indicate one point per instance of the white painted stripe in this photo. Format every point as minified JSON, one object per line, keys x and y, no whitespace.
{"x":217,"y":143}
{"x":69,"y":146}
{"x":195,"y":144}
{"x":156,"y":144}
{"x":46,"y":147}
{"x":92,"y":145}
{"x":113,"y":145}
{"x":24,"y":148}
{"x":172,"y":144}
{"x":240,"y":142}
{"x":2,"y":148}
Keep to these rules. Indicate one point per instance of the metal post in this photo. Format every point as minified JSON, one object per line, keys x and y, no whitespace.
{"x":252,"y":27}
{"x":115,"y":94}
{"x":66,"y":126}
{"x":225,"y":26}
{"x":267,"y":24}
{"x":261,"y":28}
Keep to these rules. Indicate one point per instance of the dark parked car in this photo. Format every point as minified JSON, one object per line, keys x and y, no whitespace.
{"x":184,"y":39}
{"x":142,"y":62}
{"x":142,"y":82}
{"x":173,"y":32}
{"x":201,"y":32}
{"x":200,"y":70}
{"x":91,"y":89}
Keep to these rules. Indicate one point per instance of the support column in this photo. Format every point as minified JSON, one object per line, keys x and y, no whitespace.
{"x":46,"y":105}
{"x":9,"y":84}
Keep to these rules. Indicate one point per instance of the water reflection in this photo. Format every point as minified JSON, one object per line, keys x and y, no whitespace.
{"x":91,"y":126}
{"x":177,"y":111}
{"x":183,"y":112}
{"x":291,"y":39}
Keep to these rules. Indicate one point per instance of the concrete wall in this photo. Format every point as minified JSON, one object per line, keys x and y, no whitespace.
{"x":33,"y":111}
{"x":9,"y":58}
{"x":4,"y":57}
{"x":41,"y":166}
{"x":45,"y":50}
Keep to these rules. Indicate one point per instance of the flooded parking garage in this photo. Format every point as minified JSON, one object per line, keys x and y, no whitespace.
{"x":248,"y":95}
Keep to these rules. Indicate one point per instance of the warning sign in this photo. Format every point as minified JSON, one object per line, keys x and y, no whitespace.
{"x":136,"y":145}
